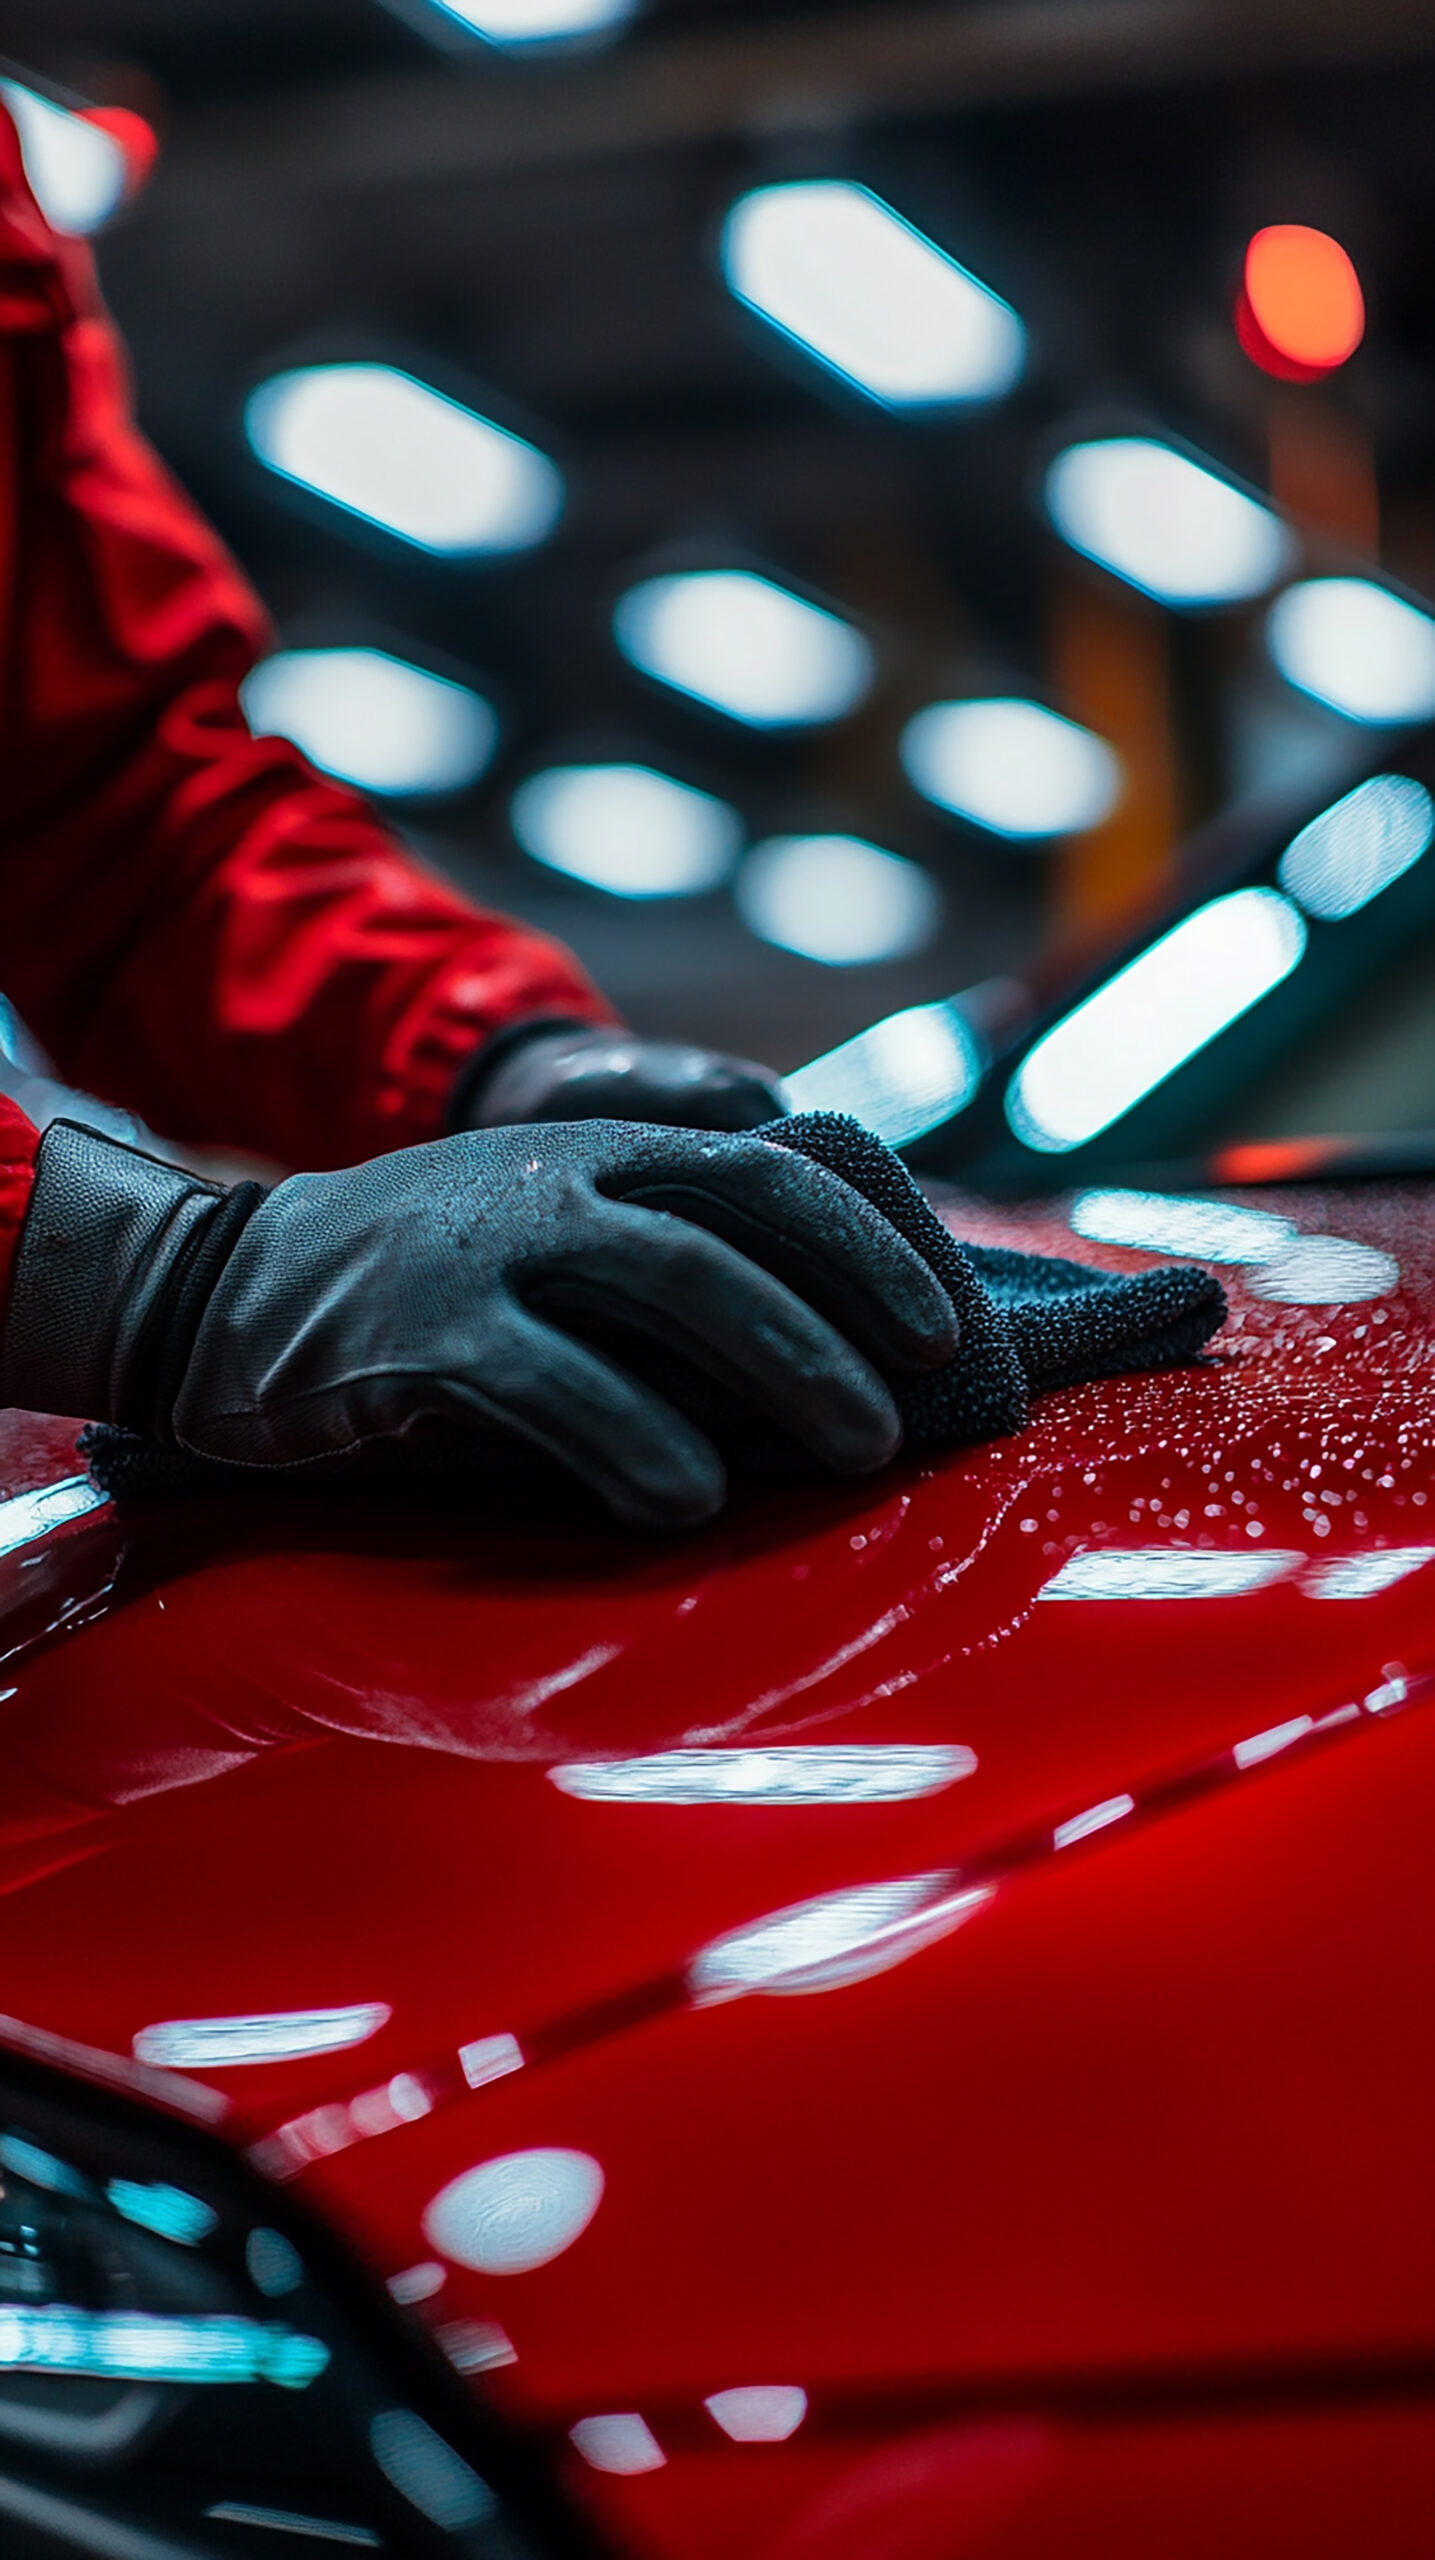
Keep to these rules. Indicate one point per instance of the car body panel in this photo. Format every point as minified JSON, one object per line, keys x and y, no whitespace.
{"x":1137,"y":2096}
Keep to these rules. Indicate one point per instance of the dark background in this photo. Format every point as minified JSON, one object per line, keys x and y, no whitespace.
{"x":537,"y":233}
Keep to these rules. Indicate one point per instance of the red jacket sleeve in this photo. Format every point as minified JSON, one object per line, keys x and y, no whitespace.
{"x":18,"y":1142}
{"x":196,"y":924}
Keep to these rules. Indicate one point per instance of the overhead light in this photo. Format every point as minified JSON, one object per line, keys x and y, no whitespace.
{"x":1154,"y":1015}
{"x":372,"y":719}
{"x":515,"y":24}
{"x":1356,"y":647}
{"x":837,"y":899}
{"x":388,"y":448}
{"x":77,"y":171}
{"x":1301,"y":311}
{"x":1325,"y":1271}
{"x":900,"y":1078}
{"x":844,"y":276}
{"x":1352,"y":851}
{"x":797,"y":1773}
{"x":1158,"y":1222}
{"x":275,"y":2035}
{"x":1011,"y":766}
{"x":745,"y":646}
{"x":626,"y":829}
{"x":516,"y":2212}
{"x":1166,"y":524}
{"x":1167,"y":1573}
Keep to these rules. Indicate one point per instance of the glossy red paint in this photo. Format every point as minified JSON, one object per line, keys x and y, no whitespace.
{"x":1091,"y":2203}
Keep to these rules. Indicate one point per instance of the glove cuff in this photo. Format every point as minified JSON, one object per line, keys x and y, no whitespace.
{"x":465,"y":1102}
{"x":114,"y":1263}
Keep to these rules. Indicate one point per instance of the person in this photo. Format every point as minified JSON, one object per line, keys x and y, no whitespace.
{"x":503,"y":1197}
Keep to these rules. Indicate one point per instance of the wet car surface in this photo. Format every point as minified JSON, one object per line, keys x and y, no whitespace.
{"x":897,"y":2025}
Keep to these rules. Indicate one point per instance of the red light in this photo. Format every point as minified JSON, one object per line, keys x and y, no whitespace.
{"x":1300,"y":312}
{"x":137,"y":140}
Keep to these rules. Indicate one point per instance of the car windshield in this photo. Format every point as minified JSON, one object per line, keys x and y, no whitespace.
{"x":1281,"y":1020}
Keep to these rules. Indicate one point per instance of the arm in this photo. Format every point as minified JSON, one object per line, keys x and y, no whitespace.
{"x":197,"y":925}
{"x":18,"y":1142}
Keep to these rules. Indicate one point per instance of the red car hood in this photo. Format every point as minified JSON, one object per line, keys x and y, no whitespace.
{"x":1098,"y":2080}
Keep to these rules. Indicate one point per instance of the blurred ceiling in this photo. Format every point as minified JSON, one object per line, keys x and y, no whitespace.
{"x":537,"y":235}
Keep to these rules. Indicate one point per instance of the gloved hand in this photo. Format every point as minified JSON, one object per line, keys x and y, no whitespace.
{"x":569,"y":1071}
{"x":443,"y":1292}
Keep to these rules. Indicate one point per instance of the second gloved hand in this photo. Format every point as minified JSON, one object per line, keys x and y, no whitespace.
{"x":569,"y":1071}
{"x":443,"y":1292}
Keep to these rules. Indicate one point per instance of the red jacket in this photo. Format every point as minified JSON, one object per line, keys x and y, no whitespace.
{"x":195,"y":923}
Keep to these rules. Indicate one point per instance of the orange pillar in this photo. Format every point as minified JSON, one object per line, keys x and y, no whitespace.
{"x":1111,"y":667}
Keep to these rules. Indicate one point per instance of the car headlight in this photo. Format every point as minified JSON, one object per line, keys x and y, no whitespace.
{"x":190,"y":2370}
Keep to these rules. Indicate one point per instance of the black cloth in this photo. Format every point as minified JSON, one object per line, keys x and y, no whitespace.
{"x":490,"y":1285}
{"x":1026,"y":1323}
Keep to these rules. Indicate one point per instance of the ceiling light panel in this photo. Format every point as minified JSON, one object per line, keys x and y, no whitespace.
{"x":386,"y":447}
{"x":1357,"y":648}
{"x":517,"y":24}
{"x":746,"y":647}
{"x":1012,"y":767}
{"x":837,"y":899}
{"x":372,"y":719}
{"x":846,"y":278}
{"x":1164,"y":523}
{"x":626,"y":829}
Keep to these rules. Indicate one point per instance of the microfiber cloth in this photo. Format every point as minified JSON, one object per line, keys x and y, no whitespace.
{"x":1027,"y":1322}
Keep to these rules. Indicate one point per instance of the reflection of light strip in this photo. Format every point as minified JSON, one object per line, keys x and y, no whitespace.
{"x":279,"y":2520}
{"x":1157,"y":1222}
{"x":1264,"y":1746}
{"x":475,"y":2346}
{"x":1347,"y":855}
{"x":147,"y":2346}
{"x":1166,"y":1573}
{"x":1153,"y":1016}
{"x":163,"y":2209}
{"x":1095,"y":1818}
{"x":837,"y":1939}
{"x":489,"y":2058}
{"x":759,"y":2412}
{"x":873,"y":1773}
{"x":623,"y":2443}
{"x":29,"y":1515}
{"x":1360,"y":1577}
{"x":273,"y":2035}
{"x":901,"y":1077}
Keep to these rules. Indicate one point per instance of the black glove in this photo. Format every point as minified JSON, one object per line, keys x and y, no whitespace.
{"x":569,"y":1071}
{"x":444,"y":1292}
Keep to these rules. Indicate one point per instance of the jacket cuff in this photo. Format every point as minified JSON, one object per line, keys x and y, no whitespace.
{"x":18,"y":1142}
{"x":456,"y":1023}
